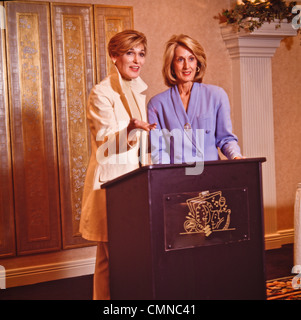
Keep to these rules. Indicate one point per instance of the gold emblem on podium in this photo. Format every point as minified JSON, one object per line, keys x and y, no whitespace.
{"x":207,"y":213}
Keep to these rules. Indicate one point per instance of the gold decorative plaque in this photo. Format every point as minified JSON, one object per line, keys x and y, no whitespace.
{"x":205,"y":218}
{"x":208,"y":212}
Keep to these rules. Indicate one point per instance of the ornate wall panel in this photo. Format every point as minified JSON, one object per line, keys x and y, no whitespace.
{"x":7,"y":228}
{"x":108,"y":21}
{"x":33,"y":135}
{"x":73,"y":47}
{"x":44,"y":135}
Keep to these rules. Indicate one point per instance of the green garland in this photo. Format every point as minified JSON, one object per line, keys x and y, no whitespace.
{"x":263,"y":11}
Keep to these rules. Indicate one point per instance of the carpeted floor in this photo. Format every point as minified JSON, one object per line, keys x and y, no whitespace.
{"x":279,"y":262}
{"x":287,"y":288}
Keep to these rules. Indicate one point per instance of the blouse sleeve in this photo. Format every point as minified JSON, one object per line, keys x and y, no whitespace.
{"x":225,"y":139}
{"x":159,"y":150}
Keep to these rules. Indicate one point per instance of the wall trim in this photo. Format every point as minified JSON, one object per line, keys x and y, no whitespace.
{"x":276,"y":240}
{"x":53,"y":271}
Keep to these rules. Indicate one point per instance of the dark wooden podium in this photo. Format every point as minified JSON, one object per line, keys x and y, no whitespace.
{"x":175,"y":236}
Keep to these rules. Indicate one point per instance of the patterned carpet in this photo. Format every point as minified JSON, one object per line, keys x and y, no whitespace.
{"x":282,"y":288}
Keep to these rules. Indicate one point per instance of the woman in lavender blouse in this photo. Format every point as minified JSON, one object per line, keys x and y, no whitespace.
{"x":193,"y":119}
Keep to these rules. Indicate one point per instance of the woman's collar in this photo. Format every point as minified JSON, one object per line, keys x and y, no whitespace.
{"x":137,"y":84}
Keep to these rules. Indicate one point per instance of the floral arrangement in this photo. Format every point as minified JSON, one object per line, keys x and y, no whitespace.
{"x":251,"y":14}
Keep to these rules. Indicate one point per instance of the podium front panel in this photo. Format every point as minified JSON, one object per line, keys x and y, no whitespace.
{"x":175,"y":236}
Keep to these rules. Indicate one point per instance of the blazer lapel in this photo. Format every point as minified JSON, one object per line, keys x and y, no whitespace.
{"x":116,"y":84}
{"x":140,"y":100}
{"x":138,"y":86}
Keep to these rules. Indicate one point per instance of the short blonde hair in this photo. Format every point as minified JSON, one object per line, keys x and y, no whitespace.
{"x":125,"y":40}
{"x":192,"y":45}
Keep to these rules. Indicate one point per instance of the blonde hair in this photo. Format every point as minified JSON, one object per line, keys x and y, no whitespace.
{"x":125,"y":40}
{"x":190,"y":44}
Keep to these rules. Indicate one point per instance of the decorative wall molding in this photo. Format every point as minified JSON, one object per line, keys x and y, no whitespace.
{"x":21,"y":271}
{"x":276,"y":240}
{"x":49,"y":272}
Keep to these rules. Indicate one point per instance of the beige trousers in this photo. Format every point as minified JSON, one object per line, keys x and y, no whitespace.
{"x":101,"y":285}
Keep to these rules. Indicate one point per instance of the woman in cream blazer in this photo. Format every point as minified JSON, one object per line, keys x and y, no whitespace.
{"x":117,"y":118}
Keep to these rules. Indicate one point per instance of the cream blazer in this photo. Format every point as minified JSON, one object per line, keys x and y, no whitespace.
{"x":108,"y":114}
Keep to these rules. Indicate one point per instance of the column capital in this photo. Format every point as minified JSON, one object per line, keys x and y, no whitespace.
{"x":262,"y":42}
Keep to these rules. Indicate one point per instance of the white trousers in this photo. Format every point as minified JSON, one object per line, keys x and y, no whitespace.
{"x":101,"y":284}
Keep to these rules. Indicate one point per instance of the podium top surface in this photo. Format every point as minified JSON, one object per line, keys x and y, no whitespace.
{"x":173,"y":166}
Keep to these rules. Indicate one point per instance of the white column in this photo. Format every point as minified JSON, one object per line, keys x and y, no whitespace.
{"x":297,"y":225}
{"x":251,"y":55}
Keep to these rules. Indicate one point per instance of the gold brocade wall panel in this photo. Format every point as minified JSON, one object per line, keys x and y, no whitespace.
{"x":7,"y":228}
{"x":50,"y":57}
{"x":109,"y":20}
{"x":74,"y":66}
{"x":33,"y":137}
